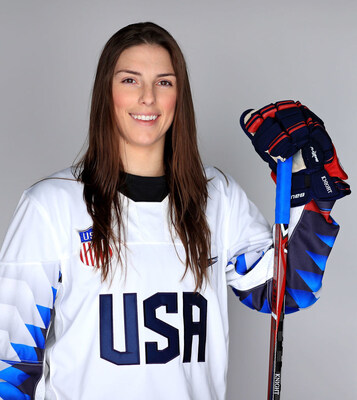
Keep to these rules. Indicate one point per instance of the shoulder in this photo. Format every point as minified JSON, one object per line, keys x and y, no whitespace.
{"x":41,"y":225}
{"x":59,"y":195}
{"x":58,"y":201}
{"x":58,"y":186}
{"x":221,"y":184}
{"x":226,"y":194}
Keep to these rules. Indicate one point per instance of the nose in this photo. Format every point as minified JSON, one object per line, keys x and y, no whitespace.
{"x":147,"y":95}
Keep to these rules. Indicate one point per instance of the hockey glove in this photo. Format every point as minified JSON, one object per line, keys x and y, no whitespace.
{"x":288,"y":128}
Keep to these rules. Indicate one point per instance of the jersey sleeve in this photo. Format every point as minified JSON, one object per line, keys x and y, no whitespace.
{"x":29,"y":279}
{"x":249,"y":271}
{"x":250,"y":249}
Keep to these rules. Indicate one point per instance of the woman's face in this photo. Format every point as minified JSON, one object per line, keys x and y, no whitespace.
{"x":144,"y":95}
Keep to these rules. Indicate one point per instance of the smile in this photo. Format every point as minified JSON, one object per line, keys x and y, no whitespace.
{"x":145,"y":117}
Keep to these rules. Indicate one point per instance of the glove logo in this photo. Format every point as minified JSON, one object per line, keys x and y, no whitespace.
{"x":298,"y":195}
{"x":314,"y":154}
{"x":326,"y":184}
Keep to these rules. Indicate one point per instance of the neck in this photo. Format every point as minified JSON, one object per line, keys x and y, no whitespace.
{"x":142,"y":161}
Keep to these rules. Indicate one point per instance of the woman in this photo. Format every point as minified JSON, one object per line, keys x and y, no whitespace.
{"x":120,"y":289}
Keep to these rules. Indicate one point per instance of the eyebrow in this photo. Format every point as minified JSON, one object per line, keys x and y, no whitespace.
{"x":129,"y":71}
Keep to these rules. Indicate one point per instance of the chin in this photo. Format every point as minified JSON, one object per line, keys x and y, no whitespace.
{"x":149,"y":141}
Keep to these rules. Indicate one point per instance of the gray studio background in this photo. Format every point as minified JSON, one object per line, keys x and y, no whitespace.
{"x":240,"y":54}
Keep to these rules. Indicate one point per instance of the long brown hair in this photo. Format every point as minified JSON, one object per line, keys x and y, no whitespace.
{"x":101,"y":168}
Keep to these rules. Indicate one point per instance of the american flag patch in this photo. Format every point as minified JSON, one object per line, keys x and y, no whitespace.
{"x":87,"y":255}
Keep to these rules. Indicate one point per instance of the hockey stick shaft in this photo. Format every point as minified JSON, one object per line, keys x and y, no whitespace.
{"x":282,"y":216}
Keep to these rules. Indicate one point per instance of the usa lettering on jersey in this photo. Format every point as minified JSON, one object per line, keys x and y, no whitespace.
{"x":153,"y":355}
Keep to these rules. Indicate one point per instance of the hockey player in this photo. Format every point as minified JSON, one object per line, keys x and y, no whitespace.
{"x":120,"y":290}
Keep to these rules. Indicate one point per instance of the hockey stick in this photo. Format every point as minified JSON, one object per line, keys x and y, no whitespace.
{"x":282,"y":216}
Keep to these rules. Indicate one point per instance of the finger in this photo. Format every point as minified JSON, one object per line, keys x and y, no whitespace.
{"x":333,"y":166}
{"x":293,"y":121}
{"x":255,"y":119}
{"x":342,"y":186}
{"x":271,"y":138}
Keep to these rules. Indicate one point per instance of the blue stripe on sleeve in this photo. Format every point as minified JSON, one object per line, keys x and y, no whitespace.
{"x":37,"y":334}
{"x":45,"y":313}
{"x":10,"y":392}
{"x":25,"y":353}
{"x":319,"y":259}
{"x":241,"y":266}
{"x":302,"y":297}
{"x":329,"y":240}
{"x":313,"y":281}
{"x":13,"y":375}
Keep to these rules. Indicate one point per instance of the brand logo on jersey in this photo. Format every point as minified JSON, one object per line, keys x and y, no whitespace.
{"x":87,"y":254}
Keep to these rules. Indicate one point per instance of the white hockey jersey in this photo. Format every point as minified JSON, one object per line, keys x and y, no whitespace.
{"x":66,"y":335}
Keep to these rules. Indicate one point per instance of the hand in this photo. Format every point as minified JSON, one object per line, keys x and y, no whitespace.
{"x":288,"y":128}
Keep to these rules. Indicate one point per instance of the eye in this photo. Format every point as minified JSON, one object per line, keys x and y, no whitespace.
{"x":129,"y":80}
{"x":164,"y":83}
